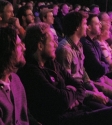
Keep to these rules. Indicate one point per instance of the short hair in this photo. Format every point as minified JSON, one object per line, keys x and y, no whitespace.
{"x":44,"y":13}
{"x":93,"y":6}
{"x":22,"y":12}
{"x":35,"y":33}
{"x":71,"y":22}
{"x":102,"y":17}
{"x":91,"y":16}
{"x":8,"y":37}
{"x":3,"y":3}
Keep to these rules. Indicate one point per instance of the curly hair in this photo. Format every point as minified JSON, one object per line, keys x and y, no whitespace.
{"x":8,"y":37}
{"x":35,"y":33}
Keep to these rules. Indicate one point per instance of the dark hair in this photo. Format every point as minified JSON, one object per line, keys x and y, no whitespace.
{"x":93,"y":6}
{"x":35,"y":33}
{"x":71,"y":22}
{"x":91,"y":16}
{"x":7,"y":50}
{"x":3,"y":3}
{"x":101,"y":14}
{"x":22,"y":12}
{"x":44,"y":13}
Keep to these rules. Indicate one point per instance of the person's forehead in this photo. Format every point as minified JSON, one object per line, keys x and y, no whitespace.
{"x":96,"y":9}
{"x":95,"y":20}
{"x":65,"y":6}
{"x":29,"y":11}
{"x":106,"y":16}
{"x":50,"y":13}
{"x":8,"y":7}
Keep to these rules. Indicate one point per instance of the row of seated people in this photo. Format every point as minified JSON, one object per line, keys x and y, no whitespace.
{"x":56,"y":94}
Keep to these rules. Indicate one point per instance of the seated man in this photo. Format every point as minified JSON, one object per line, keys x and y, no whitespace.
{"x":53,"y":95}
{"x":7,"y":17}
{"x":95,"y":62}
{"x":70,"y":55}
{"x":13,"y":104}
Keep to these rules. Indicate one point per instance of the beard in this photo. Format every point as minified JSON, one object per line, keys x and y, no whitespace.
{"x":20,"y":64}
{"x":46,"y":56}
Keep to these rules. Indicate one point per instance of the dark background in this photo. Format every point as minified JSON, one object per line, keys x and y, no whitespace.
{"x":105,"y":5}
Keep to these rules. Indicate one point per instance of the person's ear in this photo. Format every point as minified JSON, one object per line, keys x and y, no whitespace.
{"x":44,"y":19}
{"x":89,"y":28}
{"x":23,"y":18}
{"x":0,"y":17}
{"x":40,"y":46}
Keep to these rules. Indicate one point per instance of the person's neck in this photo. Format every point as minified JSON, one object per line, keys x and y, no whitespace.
{"x":91,"y":35}
{"x":39,"y":59}
{"x":6,"y":78}
{"x":75,"y":39}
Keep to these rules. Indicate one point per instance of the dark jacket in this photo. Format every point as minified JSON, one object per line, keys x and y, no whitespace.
{"x":94,"y":63}
{"x":46,"y":90}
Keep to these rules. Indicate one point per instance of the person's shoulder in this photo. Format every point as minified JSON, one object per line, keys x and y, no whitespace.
{"x":84,"y":40}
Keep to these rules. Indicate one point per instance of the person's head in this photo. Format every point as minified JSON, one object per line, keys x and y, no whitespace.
{"x":40,"y":4}
{"x":105,"y":31}
{"x":55,"y":10}
{"x":94,"y":25}
{"x":77,"y":7}
{"x":42,"y":8}
{"x":103,"y":16}
{"x":39,"y":41}
{"x":6,"y":11}
{"x":110,"y":15}
{"x":30,"y":5}
{"x":74,"y":23}
{"x":47,"y":16}
{"x":94,"y":9}
{"x":11,"y":51}
{"x":64,"y":8}
{"x":25,"y":15}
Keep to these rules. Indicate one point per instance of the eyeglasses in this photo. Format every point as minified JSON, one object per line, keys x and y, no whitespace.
{"x":29,"y":15}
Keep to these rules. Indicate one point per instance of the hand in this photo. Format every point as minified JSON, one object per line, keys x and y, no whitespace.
{"x":76,"y":103}
{"x":71,"y":87}
{"x":15,"y":21}
{"x":100,"y":97}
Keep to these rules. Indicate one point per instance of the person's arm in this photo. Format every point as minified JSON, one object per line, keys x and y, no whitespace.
{"x":60,"y":98}
{"x":69,"y":80}
{"x":91,"y":56}
{"x":21,"y":30}
{"x":64,"y":57}
{"x":1,"y":120}
{"x":97,"y":96}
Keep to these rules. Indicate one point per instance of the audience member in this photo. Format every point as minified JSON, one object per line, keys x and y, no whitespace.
{"x":70,"y":55}
{"x":25,"y":16}
{"x":13,"y":104}
{"x":94,"y":9}
{"x":7,"y":17}
{"x":47,"y":17}
{"x":53,"y":95}
{"x":95,"y":62}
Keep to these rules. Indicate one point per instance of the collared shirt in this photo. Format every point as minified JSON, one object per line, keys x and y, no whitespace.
{"x":71,"y":57}
{"x":7,"y":84}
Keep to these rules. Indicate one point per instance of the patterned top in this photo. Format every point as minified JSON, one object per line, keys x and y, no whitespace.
{"x":71,"y":57}
{"x":107,"y":51}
